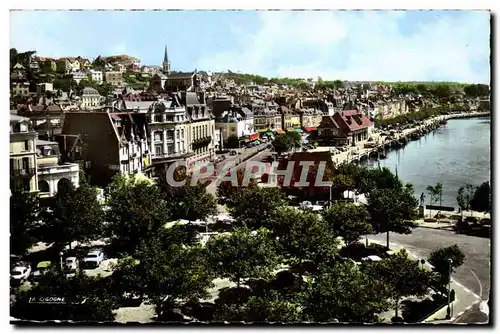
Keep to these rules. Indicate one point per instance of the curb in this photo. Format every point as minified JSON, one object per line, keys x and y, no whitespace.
{"x":441,"y":309}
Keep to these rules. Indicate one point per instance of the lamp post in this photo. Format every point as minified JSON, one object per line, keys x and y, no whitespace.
{"x":61,"y":260}
{"x":448,"y":309}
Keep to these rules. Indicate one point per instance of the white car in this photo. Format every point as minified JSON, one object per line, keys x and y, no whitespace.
{"x":71,"y":263}
{"x":372,"y":258}
{"x":93,"y":258}
{"x":20,"y":273}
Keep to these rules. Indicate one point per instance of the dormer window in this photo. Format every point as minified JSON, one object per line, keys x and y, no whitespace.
{"x":23,"y":127}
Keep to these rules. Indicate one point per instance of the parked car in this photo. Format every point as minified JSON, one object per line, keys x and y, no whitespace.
{"x":372,"y":258}
{"x":94,"y":258}
{"x":20,"y":273}
{"x":71,"y":263}
{"x":41,"y":269}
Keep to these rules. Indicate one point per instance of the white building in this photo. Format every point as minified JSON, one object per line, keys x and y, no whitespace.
{"x":79,"y":76}
{"x":234,"y":124}
{"x":91,"y":99}
{"x":96,"y":76}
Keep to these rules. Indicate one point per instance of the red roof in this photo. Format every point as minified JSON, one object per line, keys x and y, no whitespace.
{"x":351,"y":120}
{"x":310,"y":129}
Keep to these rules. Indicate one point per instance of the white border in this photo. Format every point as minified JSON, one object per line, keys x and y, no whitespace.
{"x":190,"y":4}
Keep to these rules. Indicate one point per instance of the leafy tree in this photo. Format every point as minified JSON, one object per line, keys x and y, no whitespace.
{"x":345,"y":294}
{"x":481,"y":199}
{"x":84,"y":299}
{"x":269,"y":308}
{"x":163,"y":274}
{"x":13,"y":57}
{"x":98,"y":63}
{"x":242,"y":254}
{"x":136,"y":211}
{"x":302,"y":236}
{"x":253,"y":206}
{"x":282,"y":144}
{"x":24,"y":218}
{"x":464,"y":197}
{"x":226,"y":190}
{"x":348,"y":221}
{"x":392,"y":210}
{"x":440,"y":259}
{"x":198,"y":203}
{"x":433,"y":195}
{"x":75,"y":215}
{"x":402,"y":276}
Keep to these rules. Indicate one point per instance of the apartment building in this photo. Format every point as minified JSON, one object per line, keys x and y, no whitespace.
{"x":23,"y":159}
{"x":114,"y":78}
{"x":96,"y":76}
{"x":91,"y":99}
{"x":235,"y":122}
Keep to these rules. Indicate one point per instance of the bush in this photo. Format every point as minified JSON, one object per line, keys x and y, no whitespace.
{"x":430,"y":220}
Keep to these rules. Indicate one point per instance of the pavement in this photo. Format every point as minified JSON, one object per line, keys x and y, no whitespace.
{"x":471,"y":281}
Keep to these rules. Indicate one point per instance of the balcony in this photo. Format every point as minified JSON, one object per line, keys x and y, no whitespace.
{"x":57,"y":169}
{"x":23,"y":172}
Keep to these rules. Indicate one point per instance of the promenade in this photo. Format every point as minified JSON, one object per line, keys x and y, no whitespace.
{"x":359,"y":151}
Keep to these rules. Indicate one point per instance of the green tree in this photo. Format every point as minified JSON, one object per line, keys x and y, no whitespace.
{"x":198,"y":203}
{"x":233,"y":142}
{"x":24,"y":221}
{"x":345,"y":294}
{"x":98,"y":63}
{"x":282,"y":143}
{"x":136,"y":211}
{"x":464,"y":197}
{"x":445,"y":260}
{"x":75,"y":215}
{"x":302,"y":236}
{"x":392,"y":210}
{"x":226,"y":190}
{"x":242,"y":254}
{"x":433,"y":195}
{"x":84,"y":298}
{"x":481,"y":199}
{"x":253,"y":206}
{"x":348,"y":221}
{"x":403,"y":276}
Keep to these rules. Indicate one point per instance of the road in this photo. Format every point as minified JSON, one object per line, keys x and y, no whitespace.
{"x":474,"y":274}
{"x":474,"y":315}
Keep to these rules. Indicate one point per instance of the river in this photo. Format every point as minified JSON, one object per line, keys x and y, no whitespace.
{"x":455,"y":154}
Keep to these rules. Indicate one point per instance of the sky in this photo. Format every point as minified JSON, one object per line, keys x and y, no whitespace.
{"x":346,"y":45}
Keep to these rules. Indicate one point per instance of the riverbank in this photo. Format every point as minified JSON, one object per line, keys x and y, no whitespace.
{"x":381,"y":143}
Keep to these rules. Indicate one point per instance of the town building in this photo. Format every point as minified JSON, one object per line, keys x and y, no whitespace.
{"x":46,"y":118}
{"x":44,"y":87}
{"x":114,"y":78}
{"x":182,"y":81}
{"x":96,"y":76}
{"x":347,"y":127}
{"x":20,"y":88}
{"x":91,"y":99}
{"x":266,"y":116}
{"x":105,"y":143}
{"x":235,"y":122}
{"x":290,"y":118}
{"x":51,"y":173}
{"x":310,"y":119}
{"x":23,"y":164}
{"x":68,"y":65}
{"x":79,"y":76}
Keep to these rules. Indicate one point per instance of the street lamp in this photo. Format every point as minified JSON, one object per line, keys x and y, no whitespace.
{"x":448,"y":309}
{"x":61,"y":259}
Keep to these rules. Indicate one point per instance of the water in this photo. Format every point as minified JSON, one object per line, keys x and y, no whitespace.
{"x":455,"y":154}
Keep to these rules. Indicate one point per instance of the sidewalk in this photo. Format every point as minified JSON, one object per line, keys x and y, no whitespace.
{"x":464,"y":298}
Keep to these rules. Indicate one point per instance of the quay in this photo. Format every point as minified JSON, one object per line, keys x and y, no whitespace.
{"x":381,"y":144}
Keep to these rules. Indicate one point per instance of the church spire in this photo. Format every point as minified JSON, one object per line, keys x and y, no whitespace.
{"x":166,"y":63}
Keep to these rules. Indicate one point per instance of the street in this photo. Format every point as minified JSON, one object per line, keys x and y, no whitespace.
{"x":474,"y":274}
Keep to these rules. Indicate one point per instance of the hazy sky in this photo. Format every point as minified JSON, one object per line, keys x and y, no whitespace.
{"x":350,"y":45}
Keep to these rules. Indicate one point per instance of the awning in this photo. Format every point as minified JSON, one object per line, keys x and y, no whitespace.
{"x":310,"y":129}
{"x":270,"y":133}
{"x":298,"y":130}
{"x":280,"y":131}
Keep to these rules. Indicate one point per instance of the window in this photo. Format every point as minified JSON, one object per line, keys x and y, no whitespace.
{"x":158,"y":136}
{"x":182,"y":133}
{"x":170,"y":148}
{"x":26,"y":185}
{"x":158,"y":118}
{"x":12,"y":164}
{"x":26,"y":164}
{"x":158,"y":149}
{"x":26,"y":145}
{"x":177,"y":134}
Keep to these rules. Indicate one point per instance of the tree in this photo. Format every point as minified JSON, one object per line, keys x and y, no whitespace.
{"x":282,"y":144}
{"x":233,"y":142}
{"x":404,"y":277}
{"x":464,"y":197}
{"x":253,"y":206}
{"x":136,"y":212}
{"x":198,"y":203}
{"x":440,"y":259}
{"x":392,"y":210}
{"x":345,"y":294}
{"x":75,"y":215}
{"x":302,"y":236}
{"x":433,"y":196}
{"x":481,"y":199}
{"x":242,"y":254}
{"x":83,"y":298}
{"x":226,"y":190}
{"x":98,"y":63}
{"x":24,"y":221}
{"x":348,"y":221}
{"x":164,"y":274}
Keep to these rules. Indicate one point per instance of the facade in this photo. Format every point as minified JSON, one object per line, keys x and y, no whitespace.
{"x":91,"y":99}
{"x":51,"y":174}
{"x":234,"y":123}
{"x":68,"y":65}
{"x":44,"y":87}
{"x":182,"y":81}
{"x":20,"y":88}
{"x":105,"y":143}
{"x":347,"y":127}
{"x":310,"y":119}
{"x":23,"y":159}
{"x":96,"y":76}
{"x":266,"y":117}
{"x":79,"y":76}
{"x":290,"y":119}
{"x":46,"y":118}
{"x":114,"y":78}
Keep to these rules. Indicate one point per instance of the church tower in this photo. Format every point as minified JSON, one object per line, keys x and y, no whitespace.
{"x":166,"y":63}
